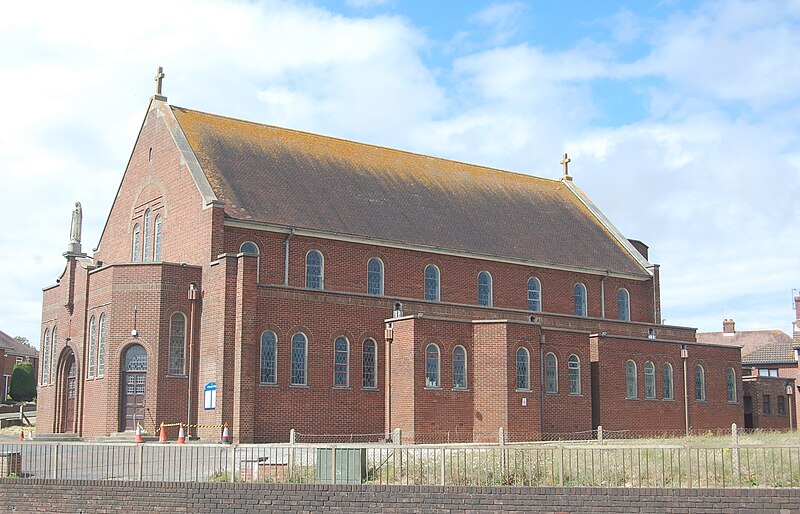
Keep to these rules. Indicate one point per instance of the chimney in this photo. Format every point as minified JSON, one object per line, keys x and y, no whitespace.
{"x":796,"y":323}
{"x":640,"y":247}
{"x":728,"y":327}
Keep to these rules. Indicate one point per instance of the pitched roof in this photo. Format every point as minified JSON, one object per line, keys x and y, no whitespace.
{"x":14,"y":347}
{"x":758,"y":346}
{"x":294,"y":179}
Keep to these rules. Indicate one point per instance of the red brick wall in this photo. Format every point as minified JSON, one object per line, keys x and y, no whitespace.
{"x":567,"y":415}
{"x":758,"y":388}
{"x":642,"y":415}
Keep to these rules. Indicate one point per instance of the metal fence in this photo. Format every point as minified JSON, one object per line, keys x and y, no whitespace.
{"x":481,"y":465}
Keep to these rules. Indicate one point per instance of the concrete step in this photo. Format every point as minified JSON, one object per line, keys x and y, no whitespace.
{"x":128,"y":436}
{"x":58,"y":438}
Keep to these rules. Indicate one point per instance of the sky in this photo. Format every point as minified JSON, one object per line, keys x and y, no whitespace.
{"x":681,"y":118}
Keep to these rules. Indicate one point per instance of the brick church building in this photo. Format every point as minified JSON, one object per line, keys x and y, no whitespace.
{"x":273,"y":279}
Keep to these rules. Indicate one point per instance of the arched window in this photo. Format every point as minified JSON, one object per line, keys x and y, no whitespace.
{"x":550,"y":373}
{"x":135,"y":255}
{"x":370,"y":365}
{"x":299,"y":348}
{"x":315,"y":270}
{"x":431,"y":283}
{"x":484,"y":289}
{"x":177,"y":344}
{"x":147,"y":229}
{"x":136,"y":358}
{"x":623,"y":305}
{"x":669,"y":393}
{"x":432,"y":366}
{"x":580,"y":300}
{"x":649,"y":380}
{"x":534,"y":294}
{"x":269,"y":357}
{"x":574,"y":374}
{"x":92,"y":346}
{"x":341,"y":371}
{"x":157,"y":242}
{"x":731,"y":384}
{"x":699,"y":383}
{"x":53,"y":355}
{"x":631,"y":380}
{"x":375,"y":277}
{"x":459,"y":367}
{"x":101,"y":346}
{"x":250,"y":248}
{"x":523,"y":369}
{"x":45,"y":357}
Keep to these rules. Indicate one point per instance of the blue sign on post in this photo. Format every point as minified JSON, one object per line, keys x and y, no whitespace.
{"x":210,"y":396}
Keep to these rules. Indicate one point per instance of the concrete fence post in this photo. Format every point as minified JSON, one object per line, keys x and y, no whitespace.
{"x":290,"y":459}
{"x":443,"y":476}
{"x":139,"y":462}
{"x":735,"y":452}
{"x":55,"y":460}
{"x":501,"y":440}
{"x":600,"y":434}
{"x":333,"y":465}
{"x":232,"y":458}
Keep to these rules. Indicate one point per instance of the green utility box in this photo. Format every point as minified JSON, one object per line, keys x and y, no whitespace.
{"x":351,"y":465}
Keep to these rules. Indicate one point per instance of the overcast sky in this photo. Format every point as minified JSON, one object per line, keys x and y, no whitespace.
{"x":682,"y":118}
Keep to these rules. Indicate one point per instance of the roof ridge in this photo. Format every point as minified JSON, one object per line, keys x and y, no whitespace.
{"x":372,"y":145}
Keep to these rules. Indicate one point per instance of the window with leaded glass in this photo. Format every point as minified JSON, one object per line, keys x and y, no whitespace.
{"x":147,"y":232}
{"x":299,"y":349}
{"x":631,"y":380}
{"x":45,"y":357}
{"x":431,"y":283}
{"x":341,"y":372}
{"x":177,"y":344}
{"x":92,"y":346}
{"x":623,"y":305}
{"x":375,"y":277}
{"x":432,"y":366}
{"x":766,"y":405}
{"x":459,"y":367}
{"x":484,"y":289}
{"x":669,"y":393}
{"x":314,"y":270}
{"x":136,"y":358}
{"x":649,"y":380}
{"x":534,"y":294}
{"x":101,"y":346}
{"x":370,"y":365}
{"x":523,"y":369}
{"x":157,"y":241}
{"x":250,"y":248}
{"x":731,"y":384}
{"x":550,"y":373}
{"x":580,"y":300}
{"x":269,"y":357}
{"x":699,"y":383}
{"x":574,"y":374}
{"x":135,"y":255}
{"x":53,"y":355}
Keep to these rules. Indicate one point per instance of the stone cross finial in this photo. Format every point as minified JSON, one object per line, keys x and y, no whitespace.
{"x":159,"y":77}
{"x":565,"y":162}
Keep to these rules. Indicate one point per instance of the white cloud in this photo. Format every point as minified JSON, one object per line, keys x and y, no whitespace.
{"x":504,"y":19}
{"x":368,"y":4}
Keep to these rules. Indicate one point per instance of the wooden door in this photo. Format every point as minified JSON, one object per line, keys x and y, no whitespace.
{"x":70,"y":391}
{"x":134,"y":381}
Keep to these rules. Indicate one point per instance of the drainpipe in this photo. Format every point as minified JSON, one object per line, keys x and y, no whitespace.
{"x":192,"y":296}
{"x":286,"y":257}
{"x":685,"y":357}
{"x":603,"y":295}
{"x":541,"y":382}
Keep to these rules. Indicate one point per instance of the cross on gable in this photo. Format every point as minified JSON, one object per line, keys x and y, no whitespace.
{"x":565,"y":162}
{"x":159,"y":77}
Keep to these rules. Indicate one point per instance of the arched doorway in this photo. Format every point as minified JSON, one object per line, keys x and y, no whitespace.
{"x":69,"y":376}
{"x":134,"y":378}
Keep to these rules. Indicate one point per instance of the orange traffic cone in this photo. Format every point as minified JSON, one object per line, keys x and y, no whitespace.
{"x":139,"y":438}
{"x":181,"y":436}
{"x":22,"y":436}
{"x":162,"y":437}
{"x":226,"y":438}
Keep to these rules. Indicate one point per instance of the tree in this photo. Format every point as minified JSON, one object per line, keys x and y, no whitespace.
{"x":23,"y":383}
{"x":23,"y":340}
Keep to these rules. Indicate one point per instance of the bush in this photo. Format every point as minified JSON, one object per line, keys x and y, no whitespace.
{"x":23,"y":383}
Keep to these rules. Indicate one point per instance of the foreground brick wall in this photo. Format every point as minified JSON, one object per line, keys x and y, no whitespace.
{"x":71,"y":496}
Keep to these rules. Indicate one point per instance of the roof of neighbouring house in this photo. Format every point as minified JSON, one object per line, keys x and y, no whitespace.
{"x":14,"y":347}
{"x":277,"y":176}
{"x":758,"y":346}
